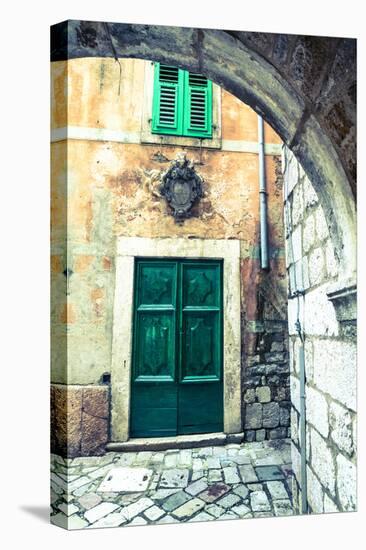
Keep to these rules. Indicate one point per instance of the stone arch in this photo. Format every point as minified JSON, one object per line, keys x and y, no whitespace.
{"x":302,"y":86}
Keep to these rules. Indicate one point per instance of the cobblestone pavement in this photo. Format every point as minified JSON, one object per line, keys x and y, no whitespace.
{"x":225,"y":482}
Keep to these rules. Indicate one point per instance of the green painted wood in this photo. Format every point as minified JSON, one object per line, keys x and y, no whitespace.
{"x":197,"y":100}
{"x":154,"y":410}
{"x":200,"y":408}
{"x":155,"y":346}
{"x":176,"y":384}
{"x":153,"y":385}
{"x":182,"y":103}
{"x":167,"y":100}
{"x":200,"y":396}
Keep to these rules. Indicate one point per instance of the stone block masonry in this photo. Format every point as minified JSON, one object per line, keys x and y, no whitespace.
{"x":266,"y":373}
{"x":327,"y":315}
{"x":79,"y":420}
{"x":266,"y":387}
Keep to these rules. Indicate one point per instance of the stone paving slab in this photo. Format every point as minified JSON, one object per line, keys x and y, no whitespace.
{"x":124,"y":479}
{"x":188,"y":485}
{"x":268,"y":473}
{"x":176,"y":500}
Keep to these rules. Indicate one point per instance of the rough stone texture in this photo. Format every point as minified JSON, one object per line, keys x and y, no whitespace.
{"x":68,"y":509}
{"x":174,"y":501}
{"x":247,"y":474}
{"x":335,"y":370}
{"x":297,"y":205}
{"x":132,"y":510}
{"x":197,"y":487}
{"x":315,"y":492}
{"x":340,"y":420}
{"x":283,"y":507}
{"x":75,"y":522}
{"x":332,"y":263}
{"x":228,"y":501}
{"x":266,"y":382}
{"x":321,"y":225}
{"x":308,"y":233}
{"x":346,"y":483}
{"x":263,"y":394}
{"x":153,"y":513}
{"x":329,"y":505}
{"x":270,"y":473}
{"x":271,"y":415}
{"x":285,"y":414}
{"x":294,"y":426}
{"x":89,"y":500}
{"x":322,"y":461}
{"x":295,"y":247}
{"x":317,"y":410}
{"x":99,"y":511}
{"x":65,"y":421}
{"x":259,"y":501}
{"x":327,"y":313}
{"x":278,"y":433}
{"x":189,"y":508}
{"x":296,"y":461}
{"x":316,"y":266}
{"x":253,"y":416}
{"x":249,"y":396}
{"x":79,"y":420}
{"x":174,"y":478}
{"x":114,"y":519}
{"x":277,"y":490}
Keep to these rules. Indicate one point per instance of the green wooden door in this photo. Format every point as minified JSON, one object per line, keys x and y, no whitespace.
{"x":176,"y":385}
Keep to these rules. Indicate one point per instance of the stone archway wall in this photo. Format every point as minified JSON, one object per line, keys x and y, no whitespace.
{"x":326,"y":310}
{"x":303,"y":86}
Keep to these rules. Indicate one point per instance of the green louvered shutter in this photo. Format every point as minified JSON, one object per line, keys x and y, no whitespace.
{"x":182,"y":103}
{"x":168,"y":100}
{"x":197,"y":120}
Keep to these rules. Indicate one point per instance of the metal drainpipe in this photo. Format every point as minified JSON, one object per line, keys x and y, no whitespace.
{"x":262,"y":196}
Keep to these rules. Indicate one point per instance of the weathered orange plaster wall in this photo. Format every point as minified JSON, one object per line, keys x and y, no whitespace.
{"x":112,"y":189}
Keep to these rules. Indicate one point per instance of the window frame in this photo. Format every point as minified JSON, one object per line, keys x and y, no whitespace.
{"x":184,"y":90}
{"x":148,"y":137}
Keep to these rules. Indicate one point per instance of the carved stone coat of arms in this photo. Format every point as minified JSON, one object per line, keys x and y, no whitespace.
{"x":182,"y":187}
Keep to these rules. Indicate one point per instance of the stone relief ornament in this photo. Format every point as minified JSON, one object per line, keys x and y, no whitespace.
{"x":182,"y":187}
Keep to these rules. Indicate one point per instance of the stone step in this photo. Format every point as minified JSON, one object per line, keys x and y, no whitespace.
{"x":177,"y":442}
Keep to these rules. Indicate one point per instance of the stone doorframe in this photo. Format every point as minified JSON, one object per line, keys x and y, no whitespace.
{"x":128,"y":248}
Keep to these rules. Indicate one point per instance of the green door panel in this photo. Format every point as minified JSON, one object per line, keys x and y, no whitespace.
{"x":154,"y":410}
{"x":201,"y":285}
{"x":155,"y":333}
{"x":157,"y":284}
{"x":200,"y":408}
{"x":201,"y":357}
{"x":176,"y":384}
